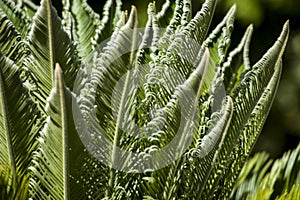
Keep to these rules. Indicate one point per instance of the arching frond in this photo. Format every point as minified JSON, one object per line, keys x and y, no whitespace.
{"x":17,"y":15}
{"x":252,"y":87}
{"x":89,"y":29}
{"x":49,"y":44}
{"x":10,"y":38}
{"x":19,"y":121}
{"x":61,"y":166}
{"x":165,"y":112}
{"x":263,"y":178}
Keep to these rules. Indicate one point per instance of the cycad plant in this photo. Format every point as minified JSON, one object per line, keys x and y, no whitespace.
{"x":263,"y":178}
{"x":93,"y":107}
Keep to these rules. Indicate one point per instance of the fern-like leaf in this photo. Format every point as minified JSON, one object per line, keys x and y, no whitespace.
{"x":49,"y":44}
{"x":19,"y":121}
{"x":263,"y":178}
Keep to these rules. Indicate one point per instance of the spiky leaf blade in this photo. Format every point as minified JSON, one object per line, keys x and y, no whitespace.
{"x":19,"y":121}
{"x":60,"y":167}
{"x":246,"y":96}
{"x":49,"y":44}
{"x":17,"y":15}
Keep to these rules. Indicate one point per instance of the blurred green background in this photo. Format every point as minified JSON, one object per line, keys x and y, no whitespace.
{"x":282,"y":129}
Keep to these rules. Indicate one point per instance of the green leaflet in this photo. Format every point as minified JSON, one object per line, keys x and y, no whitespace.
{"x":237,"y":63}
{"x":194,"y":31}
{"x":171,"y":57}
{"x":50,"y":162}
{"x":251,"y":132}
{"x":19,"y":121}
{"x":84,"y":18}
{"x":218,"y":42}
{"x":205,"y":154}
{"x":150,"y":37}
{"x":110,"y":16}
{"x":261,"y":177}
{"x":252,"y":88}
{"x":61,"y":165}
{"x":165,"y":14}
{"x":153,"y":113}
{"x":111,"y":119}
{"x":186,"y":12}
{"x":12,"y":188}
{"x":291,"y":194}
{"x":176,"y":127}
{"x":89,"y":29}
{"x":10,"y":38}
{"x":49,"y":44}
{"x":17,"y":16}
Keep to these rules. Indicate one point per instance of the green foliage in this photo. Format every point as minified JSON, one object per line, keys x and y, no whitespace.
{"x":12,"y":187}
{"x":56,"y":117}
{"x":263,"y":178}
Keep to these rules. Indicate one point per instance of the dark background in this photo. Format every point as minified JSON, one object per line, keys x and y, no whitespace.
{"x":282,"y":129}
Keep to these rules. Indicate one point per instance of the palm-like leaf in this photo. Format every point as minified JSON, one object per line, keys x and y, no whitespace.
{"x":171,"y":49}
{"x":89,"y":29}
{"x":263,"y":178}
{"x":54,"y":175}
{"x":61,"y":166}
{"x":17,"y":16}
{"x":49,"y":44}
{"x":270,"y":66}
{"x":52,"y":157}
{"x":12,"y":188}
{"x":19,"y":121}
{"x":10,"y":40}
{"x":135,"y":96}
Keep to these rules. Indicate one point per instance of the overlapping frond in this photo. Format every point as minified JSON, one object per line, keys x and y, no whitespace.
{"x":17,"y":16}
{"x":19,"y":121}
{"x":50,"y":162}
{"x":163,"y":112}
{"x":251,"y":131}
{"x":10,"y":39}
{"x":263,"y":178}
{"x":59,"y":165}
{"x":252,"y":87}
{"x":89,"y":29}
{"x":48,"y":44}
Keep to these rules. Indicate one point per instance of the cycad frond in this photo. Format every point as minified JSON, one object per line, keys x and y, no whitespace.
{"x":17,"y":15}
{"x":61,"y":167}
{"x":11,"y":187}
{"x":19,"y":121}
{"x":48,"y":44}
{"x":165,"y":112}
{"x":263,"y":178}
